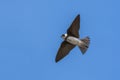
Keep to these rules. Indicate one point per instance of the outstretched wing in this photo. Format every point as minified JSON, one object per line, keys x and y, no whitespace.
{"x":64,"y":49}
{"x":73,"y":30}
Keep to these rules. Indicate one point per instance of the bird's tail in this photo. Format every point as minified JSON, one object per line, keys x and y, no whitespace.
{"x":85,"y":46}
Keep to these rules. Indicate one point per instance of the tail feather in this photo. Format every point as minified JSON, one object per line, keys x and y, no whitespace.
{"x":85,"y":46}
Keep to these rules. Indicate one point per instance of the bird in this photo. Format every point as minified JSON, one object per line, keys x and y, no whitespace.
{"x":72,"y":39}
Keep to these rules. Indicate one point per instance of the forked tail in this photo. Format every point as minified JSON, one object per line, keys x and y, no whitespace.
{"x":85,"y":46}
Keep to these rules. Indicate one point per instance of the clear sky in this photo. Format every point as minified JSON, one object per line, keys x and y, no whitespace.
{"x":30,"y":33}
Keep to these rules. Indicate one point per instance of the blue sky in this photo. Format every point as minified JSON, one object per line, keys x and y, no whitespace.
{"x":30,"y":33}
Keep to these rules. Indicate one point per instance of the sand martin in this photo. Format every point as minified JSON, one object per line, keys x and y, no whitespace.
{"x":72,"y":39}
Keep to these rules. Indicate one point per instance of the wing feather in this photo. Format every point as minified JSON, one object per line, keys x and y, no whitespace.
{"x":73,"y":30}
{"x":64,"y":49}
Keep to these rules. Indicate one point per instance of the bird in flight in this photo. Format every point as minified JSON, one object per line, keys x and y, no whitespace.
{"x":72,"y":39}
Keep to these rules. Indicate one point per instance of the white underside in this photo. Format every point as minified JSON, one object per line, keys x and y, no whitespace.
{"x":74,"y":41}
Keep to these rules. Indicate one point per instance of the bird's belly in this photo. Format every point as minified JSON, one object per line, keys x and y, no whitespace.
{"x":73,"y":40}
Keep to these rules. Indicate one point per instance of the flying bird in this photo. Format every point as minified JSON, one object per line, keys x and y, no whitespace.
{"x":72,"y":39}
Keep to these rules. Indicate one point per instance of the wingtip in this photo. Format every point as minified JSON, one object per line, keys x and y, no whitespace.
{"x":78,"y":15}
{"x":56,"y":61}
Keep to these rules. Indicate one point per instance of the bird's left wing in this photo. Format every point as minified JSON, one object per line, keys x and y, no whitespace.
{"x":64,"y":49}
{"x":73,"y":30}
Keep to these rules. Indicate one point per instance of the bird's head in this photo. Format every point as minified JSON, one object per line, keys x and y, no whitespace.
{"x":64,"y":36}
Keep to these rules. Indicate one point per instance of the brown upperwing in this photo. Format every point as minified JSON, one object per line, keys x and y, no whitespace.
{"x":64,"y":49}
{"x":73,"y":30}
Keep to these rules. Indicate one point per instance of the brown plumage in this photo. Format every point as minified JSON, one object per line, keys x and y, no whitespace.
{"x":67,"y":44}
{"x":66,"y":47}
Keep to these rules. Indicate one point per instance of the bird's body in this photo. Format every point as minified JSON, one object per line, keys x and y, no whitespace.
{"x":71,"y":39}
{"x":74,"y":41}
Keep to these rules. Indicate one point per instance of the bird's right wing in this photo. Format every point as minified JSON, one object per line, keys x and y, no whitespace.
{"x":64,"y":49}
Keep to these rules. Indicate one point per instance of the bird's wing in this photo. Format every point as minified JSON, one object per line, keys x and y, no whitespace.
{"x":73,"y":30}
{"x":64,"y":49}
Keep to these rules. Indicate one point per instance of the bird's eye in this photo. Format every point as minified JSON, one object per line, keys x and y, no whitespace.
{"x":63,"y":35}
